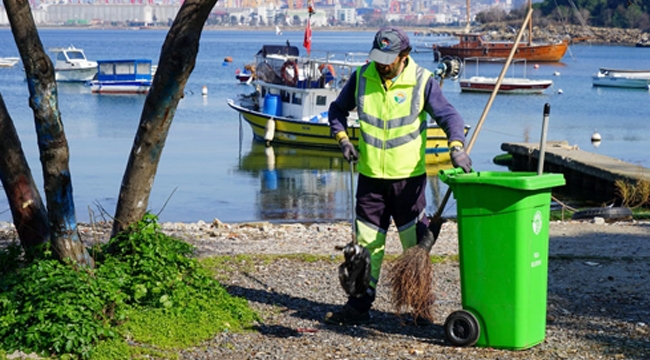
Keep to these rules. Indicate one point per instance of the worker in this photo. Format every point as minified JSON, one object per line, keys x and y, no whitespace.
{"x":392,"y":95}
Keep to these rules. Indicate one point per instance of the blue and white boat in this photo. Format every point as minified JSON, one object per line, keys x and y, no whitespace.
{"x":129,"y":76}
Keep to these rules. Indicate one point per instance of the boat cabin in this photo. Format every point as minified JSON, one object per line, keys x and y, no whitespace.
{"x":124,"y":70}
{"x":297,"y":87}
{"x":69,"y":55}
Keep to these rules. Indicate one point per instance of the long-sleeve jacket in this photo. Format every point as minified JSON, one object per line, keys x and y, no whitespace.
{"x":386,"y":151}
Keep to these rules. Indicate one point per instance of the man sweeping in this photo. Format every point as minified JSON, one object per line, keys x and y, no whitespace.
{"x":392,"y":95}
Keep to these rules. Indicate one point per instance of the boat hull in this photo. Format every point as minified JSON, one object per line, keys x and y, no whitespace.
{"x":75,"y":75}
{"x":508,"y":86}
{"x":243,"y":77}
{"x":121,"y":87}
{"x":621,"y":82}
{"x":317,"y":134}
{"x":8,"y":62}
{"x":535,"y":52}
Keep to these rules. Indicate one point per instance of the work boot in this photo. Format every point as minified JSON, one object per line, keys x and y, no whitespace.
{"x":347,"y":316}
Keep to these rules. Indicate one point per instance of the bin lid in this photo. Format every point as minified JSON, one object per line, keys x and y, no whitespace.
{"x":513,"y":180}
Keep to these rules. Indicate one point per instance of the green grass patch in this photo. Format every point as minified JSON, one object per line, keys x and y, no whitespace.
{"x":145,"y":288}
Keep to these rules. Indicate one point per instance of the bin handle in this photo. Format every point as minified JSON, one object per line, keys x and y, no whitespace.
{"x":446,"y":174}
{"x":470,"y":144}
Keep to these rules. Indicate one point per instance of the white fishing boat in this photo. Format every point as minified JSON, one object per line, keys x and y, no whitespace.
{"x":633,"y":79}
{"x":124,"y":76}
{"x":8,"y":61}
{"x":71,"y":65}
{"x":509,"y":85}
{"x":292,"y":96}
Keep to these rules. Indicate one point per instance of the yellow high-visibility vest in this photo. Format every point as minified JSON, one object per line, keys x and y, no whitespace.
{"x":392,"y":121}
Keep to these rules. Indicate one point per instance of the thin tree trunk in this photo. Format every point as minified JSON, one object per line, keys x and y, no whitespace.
{"x":175,"y":65}
{"x":27,"y":208}
{"x":52,"y":143}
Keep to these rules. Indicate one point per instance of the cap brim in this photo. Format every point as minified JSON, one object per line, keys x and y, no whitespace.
{"x":381,"y":57}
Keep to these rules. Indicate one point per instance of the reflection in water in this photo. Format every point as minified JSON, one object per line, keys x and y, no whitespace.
{"x":308,"y":184}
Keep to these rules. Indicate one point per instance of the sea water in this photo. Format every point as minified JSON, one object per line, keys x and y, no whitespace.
{"x":211,"y":168}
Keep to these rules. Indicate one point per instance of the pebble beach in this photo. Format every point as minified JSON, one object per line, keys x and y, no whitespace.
{"x":598,"y":304}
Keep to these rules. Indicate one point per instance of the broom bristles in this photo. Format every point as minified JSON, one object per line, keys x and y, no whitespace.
{"x":411,"y":282}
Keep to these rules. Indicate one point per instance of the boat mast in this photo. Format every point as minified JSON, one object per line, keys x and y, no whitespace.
{"x":530,"y":24}
{"x":468,"y":18}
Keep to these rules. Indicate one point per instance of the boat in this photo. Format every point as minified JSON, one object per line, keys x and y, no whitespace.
{"x":124,"y":76}
{"x":292,"y":96}
{"x":8,"y":61}
{"x":246,"y":74}
{"x":71,"y":65}
{"x":633,"y":79}
{"x":474,"y":45}
{"x":509,"y":85}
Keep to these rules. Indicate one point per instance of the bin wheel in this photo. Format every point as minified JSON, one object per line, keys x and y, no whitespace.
{"x":461,"y":328}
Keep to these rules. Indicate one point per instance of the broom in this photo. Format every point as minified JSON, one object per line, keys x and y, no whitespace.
{"x":411,"y":276}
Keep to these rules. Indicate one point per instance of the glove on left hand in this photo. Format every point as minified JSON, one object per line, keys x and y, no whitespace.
{"x":459,"y":158}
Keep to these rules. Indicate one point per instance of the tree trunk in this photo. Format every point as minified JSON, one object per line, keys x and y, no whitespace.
{"x":175,"y":65}
{"x":27,"y":209}
{"x":52,"y":143}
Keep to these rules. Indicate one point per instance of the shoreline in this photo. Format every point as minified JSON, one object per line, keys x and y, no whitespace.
{"x":496,"y":31}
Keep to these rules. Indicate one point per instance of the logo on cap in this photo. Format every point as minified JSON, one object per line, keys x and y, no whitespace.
{"x":384,"y":43}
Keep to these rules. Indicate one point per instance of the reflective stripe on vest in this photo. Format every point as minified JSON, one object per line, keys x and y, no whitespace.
{"x":393,"y":123}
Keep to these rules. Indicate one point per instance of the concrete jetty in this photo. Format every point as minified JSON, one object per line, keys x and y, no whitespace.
{"x":588,"y":175}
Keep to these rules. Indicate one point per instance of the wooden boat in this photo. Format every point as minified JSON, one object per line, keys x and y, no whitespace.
{"x":71,"y":65}
{"x":509,"y":85}
{"x":474,"y":45}
{"x":124,"y":76}
{"x":8,"y":61}
{"x":292,"y":98}
{"x":633,"y":79}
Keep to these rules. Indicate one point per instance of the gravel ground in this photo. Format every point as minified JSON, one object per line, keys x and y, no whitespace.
{"x":598,"y":294}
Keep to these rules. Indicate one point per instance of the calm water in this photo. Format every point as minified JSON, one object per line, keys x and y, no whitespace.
{"x":210,"y":167}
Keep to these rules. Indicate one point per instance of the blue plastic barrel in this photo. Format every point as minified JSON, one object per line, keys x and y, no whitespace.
{"x":272,"y":105}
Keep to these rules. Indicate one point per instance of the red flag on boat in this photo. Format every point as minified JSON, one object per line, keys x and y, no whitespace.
{"x":307,"y":42}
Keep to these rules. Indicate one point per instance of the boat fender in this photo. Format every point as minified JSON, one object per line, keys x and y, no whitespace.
{"x":269,"y":131}
{"x":290,"y":73}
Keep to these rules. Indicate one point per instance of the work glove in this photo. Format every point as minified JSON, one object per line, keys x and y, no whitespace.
{"x":349,"y":152}
{"x":459,"y":158}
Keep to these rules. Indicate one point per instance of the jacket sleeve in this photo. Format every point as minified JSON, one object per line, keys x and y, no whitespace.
{"x":441,"y":110}
{"x":340,"y":108}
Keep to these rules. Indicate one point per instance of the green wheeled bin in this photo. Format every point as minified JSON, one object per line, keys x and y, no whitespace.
{"x":503,"y":249}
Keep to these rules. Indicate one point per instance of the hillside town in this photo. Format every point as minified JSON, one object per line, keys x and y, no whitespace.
{"x":327,"y":13}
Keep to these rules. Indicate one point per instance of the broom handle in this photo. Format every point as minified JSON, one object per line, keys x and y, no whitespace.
{"x":352,"y":204}
{"x":489,"y":103}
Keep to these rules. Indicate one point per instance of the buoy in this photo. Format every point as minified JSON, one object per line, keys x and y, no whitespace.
{"x":596,"y":144}
{"x":596,"y":136}
{"x":559,"y":91}
{"x":536,"y":66}
{"x":204,"y":90}
{"x":269,"y":131}
{"x":557,"y":73}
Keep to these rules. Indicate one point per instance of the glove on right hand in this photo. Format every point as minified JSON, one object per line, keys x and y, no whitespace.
{"x":349,"y":152}
{"x":459,"y":158}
